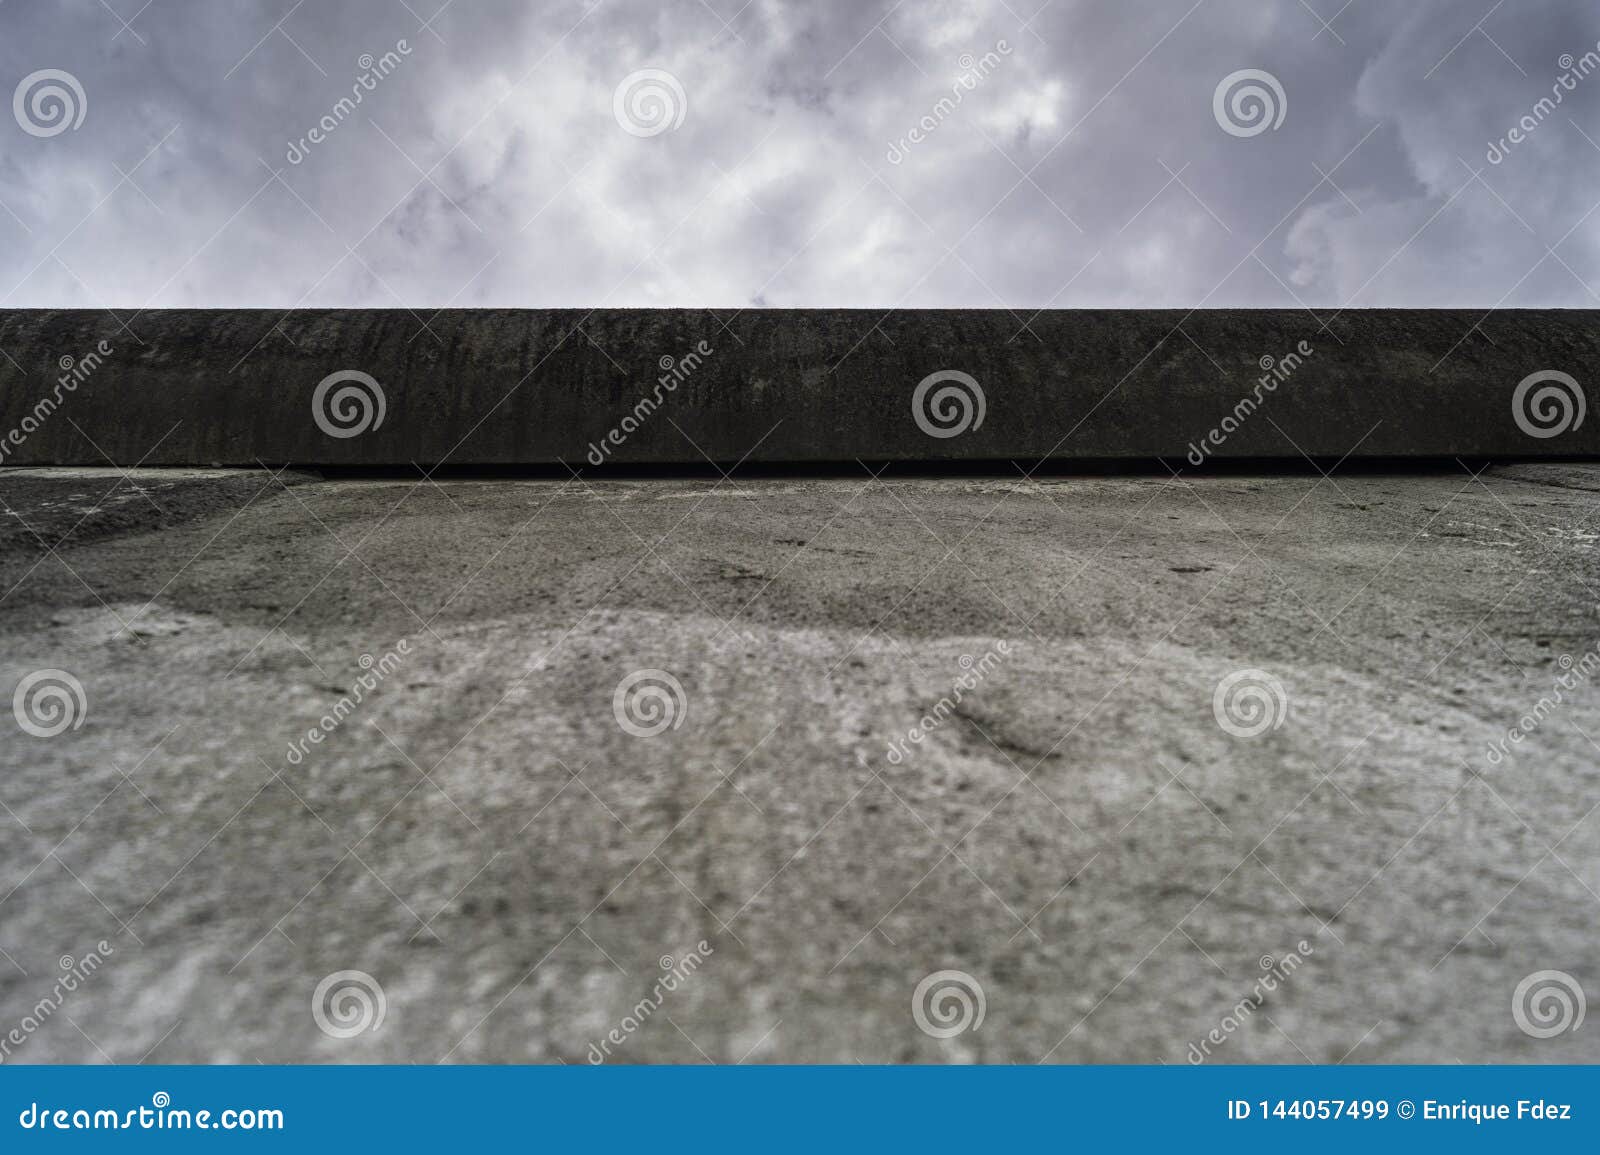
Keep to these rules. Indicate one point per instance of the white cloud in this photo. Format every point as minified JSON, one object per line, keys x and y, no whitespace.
{"x":775,"y":189}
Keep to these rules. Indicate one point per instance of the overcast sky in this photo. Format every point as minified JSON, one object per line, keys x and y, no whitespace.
{"x":1081,"y":160}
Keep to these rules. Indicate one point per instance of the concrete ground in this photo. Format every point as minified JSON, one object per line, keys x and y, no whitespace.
{"x":1112,"y":857}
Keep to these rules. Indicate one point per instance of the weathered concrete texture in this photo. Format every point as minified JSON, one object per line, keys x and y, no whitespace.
{"x":196,"y":387}
{"x":1079,"y":835}
{"x":44,"y":509}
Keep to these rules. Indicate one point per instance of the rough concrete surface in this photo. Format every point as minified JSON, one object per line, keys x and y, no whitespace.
{"x":1078,"y":835}
{"x":526,"y":386}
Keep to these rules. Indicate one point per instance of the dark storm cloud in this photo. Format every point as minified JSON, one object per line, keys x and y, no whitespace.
{"x":992,"y":152}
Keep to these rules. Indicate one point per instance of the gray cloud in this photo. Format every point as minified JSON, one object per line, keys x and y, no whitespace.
{"x":1080,"y":164}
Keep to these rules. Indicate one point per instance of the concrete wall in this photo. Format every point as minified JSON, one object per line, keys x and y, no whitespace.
{"x":513,"y":386}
